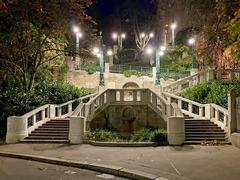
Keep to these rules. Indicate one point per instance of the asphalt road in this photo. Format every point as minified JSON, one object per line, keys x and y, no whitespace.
{"x":13,"y":169}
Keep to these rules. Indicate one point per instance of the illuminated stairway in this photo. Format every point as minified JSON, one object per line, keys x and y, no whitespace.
{"x":200,"y":131}
{"x":54,"y":131}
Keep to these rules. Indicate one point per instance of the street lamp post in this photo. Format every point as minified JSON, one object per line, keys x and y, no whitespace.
{"x":101,"y":62}
{"x":159,"y":53}
{"x":119,"y":38}
{"x":173,"y":27}
{"x":192,"y":42}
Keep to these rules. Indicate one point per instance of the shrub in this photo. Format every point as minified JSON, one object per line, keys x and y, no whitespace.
{"x":91,"y":69}
{"x":142,"y":135}
{"x":105,"y":135}
{"x":130,"y":73}
{"x":153,"y":135}
{"x":169,"y":76}
{"x":213,"y":92}
{"x":160,"y":135}
{"x":15,"y":101}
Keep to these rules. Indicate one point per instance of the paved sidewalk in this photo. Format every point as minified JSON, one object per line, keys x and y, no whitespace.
{"x":192,"y":162}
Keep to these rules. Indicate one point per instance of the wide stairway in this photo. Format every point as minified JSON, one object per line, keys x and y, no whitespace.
{"x":54,"y":131}
{"x":203,"y":131}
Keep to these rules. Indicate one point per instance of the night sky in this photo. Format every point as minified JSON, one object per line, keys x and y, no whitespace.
{"x":110,"y":17}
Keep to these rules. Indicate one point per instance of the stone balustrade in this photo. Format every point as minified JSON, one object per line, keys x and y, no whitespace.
{"x":215,"y":113}
{"x":170,"y":112}
{"x":18,"y":127}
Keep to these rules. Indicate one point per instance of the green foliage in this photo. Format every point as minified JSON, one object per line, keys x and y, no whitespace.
{"x":214,"y":92}
{"x":157,"y":135}
{"x":15,"y":101}
{"x":130,"y":73}
{"x":169,"y":76}
{"x":105,"y":135}
{"x":91,"y":69}
{"x":198,"y":93}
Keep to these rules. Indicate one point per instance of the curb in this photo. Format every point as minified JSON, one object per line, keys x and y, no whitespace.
{"x":123,"y":144}
{"x":114,"y":170}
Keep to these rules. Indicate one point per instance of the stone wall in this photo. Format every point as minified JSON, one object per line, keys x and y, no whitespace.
{"x":127,"y":118}
{"x":112,"y":80}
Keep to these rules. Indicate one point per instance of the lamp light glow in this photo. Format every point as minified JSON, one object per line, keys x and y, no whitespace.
{"x":191,"y":41}
{"x":76,"y":29}
{"x":173,"y":26}
{"x":114,"y":36}
{"x":109,"y":53}
{"x":151,"y":35}
{"x":142,"y":35}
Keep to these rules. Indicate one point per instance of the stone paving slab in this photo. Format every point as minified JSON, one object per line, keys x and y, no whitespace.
{"x":174,"y":163}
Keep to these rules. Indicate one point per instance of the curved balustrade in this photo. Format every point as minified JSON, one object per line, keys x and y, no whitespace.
{"x":215,"y":113}
{"x":18,"y":127}
{"x":125,"y":97}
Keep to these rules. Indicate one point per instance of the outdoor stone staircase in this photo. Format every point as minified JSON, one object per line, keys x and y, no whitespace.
{"x":203,"y":131}
{"x":54,"y":131}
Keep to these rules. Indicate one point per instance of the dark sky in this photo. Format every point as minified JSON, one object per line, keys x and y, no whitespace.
{"x":111,"y":17}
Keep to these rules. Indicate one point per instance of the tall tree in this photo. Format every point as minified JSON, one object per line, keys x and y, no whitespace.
{"x":33,"y":34}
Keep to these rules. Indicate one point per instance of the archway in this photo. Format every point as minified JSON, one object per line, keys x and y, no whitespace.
{"x":130,"y":85}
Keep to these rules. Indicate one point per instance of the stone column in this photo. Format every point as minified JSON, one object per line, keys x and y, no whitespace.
{"x":16,"y":129}
{"x":176,"y":130}
{"x":107,"y":68}
{"x":76,"y":130}
{"x":232,"y":112}
{"x":193,"y":71}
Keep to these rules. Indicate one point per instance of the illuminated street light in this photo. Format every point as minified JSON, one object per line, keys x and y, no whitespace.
{"x":123,"y":35}
{"x":192,"y":42}
{"x":149,"y":50}
{"x":142,"y":35}
{"x":109,"y":53}
{"x":76,"y":29}
{"x":96,"y":50}
{"x":120,"y":38}
{"x":162,"y":48}
{"x":151,"y":35}
{"x":114,"y":36}
{"x":173,"y":27}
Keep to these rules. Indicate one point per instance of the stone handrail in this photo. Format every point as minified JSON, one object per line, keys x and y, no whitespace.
{"x":141,"y":96}
{"x":181,"y":84}
{"x":215,"y":113}
{"x":19,"y":127}
{"x":170,"y":112}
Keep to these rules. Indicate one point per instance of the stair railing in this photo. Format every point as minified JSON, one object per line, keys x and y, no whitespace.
{"x":213,"y":112}
{"x":19,"y":127}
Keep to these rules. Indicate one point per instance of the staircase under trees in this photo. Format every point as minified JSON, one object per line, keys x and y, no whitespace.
{"x":53,"y":131}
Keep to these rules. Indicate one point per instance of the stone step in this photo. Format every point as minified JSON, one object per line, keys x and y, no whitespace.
{"x":205,"y":133}
{"x":202,"y":127}
{"x":204,"y":130}
{"x":62,"y":127}
{"x":204,"y":138}
{"x":200,"y":141}
{"x":44,"y":141}
{"x":49,"y":134}
{"x":47,"y":137}
{"x":49,"y":131}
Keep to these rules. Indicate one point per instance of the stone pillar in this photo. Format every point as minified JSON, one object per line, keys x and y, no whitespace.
{"x":208,"y":111}
{"x":107,"y":68}
{"x":176,"y":130}
{"x":52,"y":113}
{"x":76,"y":130}
{"x":70,"y":63}
{"x":16,"y":129}
{"x":77,"y":62}
{"x":232,"y":112}
{"x":193,"y":71}
{"x":210,"y":75}
{"x":111,"y":60}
